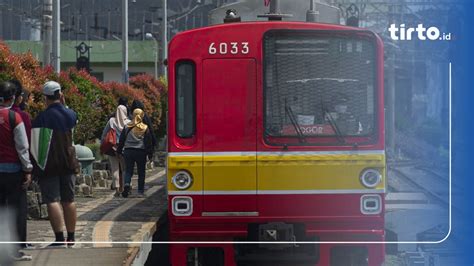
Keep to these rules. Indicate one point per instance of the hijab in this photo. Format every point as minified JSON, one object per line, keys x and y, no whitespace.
{"x":138,"y":127}
{"x":120,"y":119}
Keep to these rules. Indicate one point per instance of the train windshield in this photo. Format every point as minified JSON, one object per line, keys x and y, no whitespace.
{"x":319,"y":84}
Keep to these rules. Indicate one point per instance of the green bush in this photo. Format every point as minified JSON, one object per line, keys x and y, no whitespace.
{"x":95,"y":148}
{"x":93,"y":101}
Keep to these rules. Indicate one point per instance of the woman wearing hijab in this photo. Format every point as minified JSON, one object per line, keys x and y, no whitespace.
{"x":135,"y":145}
{"x":137,"y":104}
{"x":118,"y":123}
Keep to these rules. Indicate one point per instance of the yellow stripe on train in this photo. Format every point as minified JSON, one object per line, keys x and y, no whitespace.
{"x":275,"y":171}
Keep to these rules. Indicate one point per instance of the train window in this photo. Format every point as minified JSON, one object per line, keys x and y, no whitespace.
{"x":185,"y":99}
{"x":319,"y":84}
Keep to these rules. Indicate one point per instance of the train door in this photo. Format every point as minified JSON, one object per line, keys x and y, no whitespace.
{"x":229,"y":139}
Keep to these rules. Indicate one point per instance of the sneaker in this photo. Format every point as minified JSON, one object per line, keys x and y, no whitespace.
{"x":126,"y":191}
{"x":21,"y":256}
{"x":140,"y":194}
{"x":27,"y":246}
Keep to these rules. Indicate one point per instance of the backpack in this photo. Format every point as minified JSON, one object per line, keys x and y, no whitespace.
{"x":109,"y":143}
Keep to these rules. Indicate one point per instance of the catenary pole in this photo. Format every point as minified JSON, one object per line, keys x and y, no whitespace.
{"x":164,"y":38}
{"x":47,"y":38}
{"x":125,"y":41}
{"x":56,"y":36}
{"x":157,"y":47}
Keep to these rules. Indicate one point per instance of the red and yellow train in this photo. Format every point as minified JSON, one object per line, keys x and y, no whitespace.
{"x":276,"y":135}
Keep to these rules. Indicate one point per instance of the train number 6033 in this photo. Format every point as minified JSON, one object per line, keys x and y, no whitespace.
{"x":225,"y":48}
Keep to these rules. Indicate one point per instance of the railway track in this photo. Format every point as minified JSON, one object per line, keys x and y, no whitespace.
{"x":411,"y":184}
{"x":414,"y":176}
{"x":434,"y":173}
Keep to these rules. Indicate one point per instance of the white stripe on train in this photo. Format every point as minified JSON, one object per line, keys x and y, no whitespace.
{"x":277,"y":153}
{"x":277,"y":192}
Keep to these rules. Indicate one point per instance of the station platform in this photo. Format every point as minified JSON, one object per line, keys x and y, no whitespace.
{"x":105,"y":218}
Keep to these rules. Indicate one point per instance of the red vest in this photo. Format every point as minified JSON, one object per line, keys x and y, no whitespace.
{"x":8,"y":153}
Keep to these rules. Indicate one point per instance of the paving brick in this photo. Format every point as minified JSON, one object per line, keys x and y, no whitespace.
{"x":133,"y":222}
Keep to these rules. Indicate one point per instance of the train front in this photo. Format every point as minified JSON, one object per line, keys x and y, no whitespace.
{"x":276,"y":134}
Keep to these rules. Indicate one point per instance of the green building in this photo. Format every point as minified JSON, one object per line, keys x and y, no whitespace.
{"x":105,"y":56}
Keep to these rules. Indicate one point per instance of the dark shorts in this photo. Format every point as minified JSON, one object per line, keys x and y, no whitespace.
{"x":57,"y":188}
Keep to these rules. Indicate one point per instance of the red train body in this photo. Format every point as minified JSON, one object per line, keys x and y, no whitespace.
{"x":276,"y":128}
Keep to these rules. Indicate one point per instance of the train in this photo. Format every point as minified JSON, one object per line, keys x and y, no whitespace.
{"x":276,"y":150}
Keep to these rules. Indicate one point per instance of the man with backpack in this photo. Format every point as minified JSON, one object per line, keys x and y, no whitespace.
{"x":55,"y":161}
{"x":15,"y":164}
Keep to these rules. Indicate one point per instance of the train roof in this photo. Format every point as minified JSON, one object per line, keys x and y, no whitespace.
{"x":266,"y":25}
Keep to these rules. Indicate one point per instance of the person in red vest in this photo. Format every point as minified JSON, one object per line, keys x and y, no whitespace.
{"x":20,"y":96}
{"x":15,"y":164}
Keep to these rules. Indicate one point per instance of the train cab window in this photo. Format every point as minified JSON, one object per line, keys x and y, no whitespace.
{"x":319,"y":85}
{"x":185,"y":99}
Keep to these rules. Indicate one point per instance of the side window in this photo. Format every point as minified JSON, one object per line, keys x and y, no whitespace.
{"x":185,"y":99}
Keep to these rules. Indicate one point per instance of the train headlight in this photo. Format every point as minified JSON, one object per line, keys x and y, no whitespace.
{"x":370,"y":178}
{"x":182,"y":180}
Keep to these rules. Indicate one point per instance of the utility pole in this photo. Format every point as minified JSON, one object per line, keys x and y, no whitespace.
{"x":109,"y":25}
{"x":1,"y":22}
{"x":47,"y":34}
{"x":57,"y":36}
{"x":125,"y":41}
{"x":149,"y":36}
{"x":164,"y":39}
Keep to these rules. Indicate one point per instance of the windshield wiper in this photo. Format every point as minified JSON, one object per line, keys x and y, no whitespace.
{"x":294,"y":122}
{"x":334,"y":126}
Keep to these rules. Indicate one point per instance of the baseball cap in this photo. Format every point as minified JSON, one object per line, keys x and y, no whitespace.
{"x":50,"y":87}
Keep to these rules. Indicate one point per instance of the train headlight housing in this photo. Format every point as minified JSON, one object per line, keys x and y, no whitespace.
{"x":182,"y":206}
{"x":371,"y":204}
{"x":370,"y":178}
{"x":182,"y":180}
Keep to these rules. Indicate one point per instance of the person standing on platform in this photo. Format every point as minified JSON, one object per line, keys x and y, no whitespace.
{"x":55,"y":160}
{"x":20,"y":96}
{"x":15,"y":164}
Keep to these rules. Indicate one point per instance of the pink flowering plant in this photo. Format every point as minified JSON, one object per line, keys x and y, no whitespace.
{"x":92,"y":100}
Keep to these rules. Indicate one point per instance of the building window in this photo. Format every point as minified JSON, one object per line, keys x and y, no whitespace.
{"x":185,"y":99}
